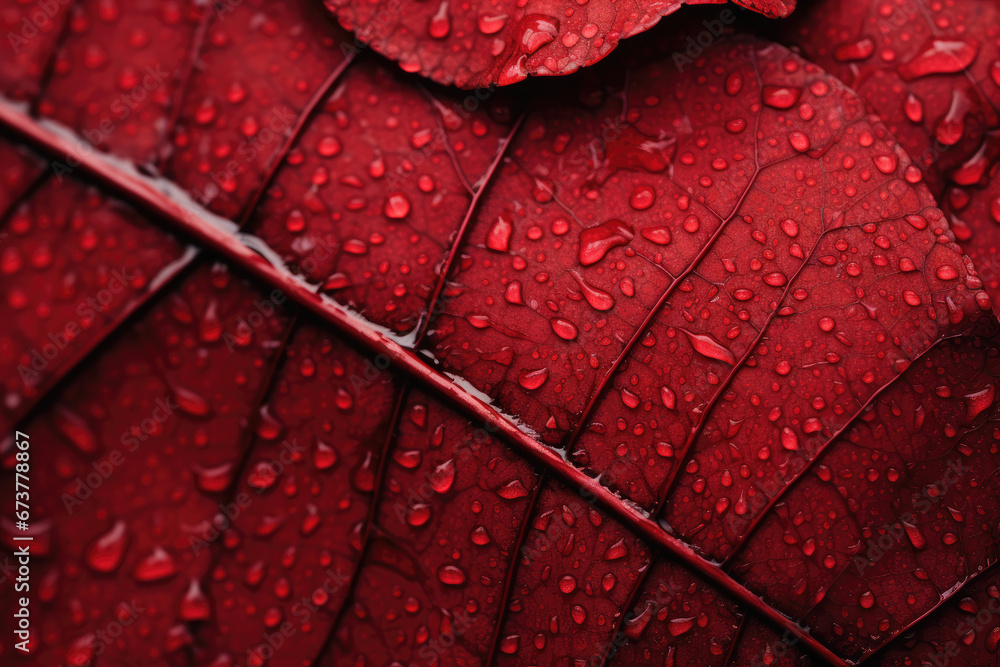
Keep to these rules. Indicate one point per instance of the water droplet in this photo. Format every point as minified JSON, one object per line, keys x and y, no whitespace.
{"x":443,"y":477}
{"x":595,"y":242}
{"x":156,"y":566}
{"x":913,"y":108}
{"x":799,"y":141}
{"x":499,"y":236}
{"x":190,"y":402}
{"x":668,"y":398}
{"x":643,"y":196}
{"x":76,"y":429}
{"x":107,"y":551}
{"x":397,"y":207}
{"x":418,"y":514}
{"x":440,"y":23}
{"x":491,"y":24}
{"x":979,"y":401}
{"x":324,"y":456}
{"x":993,"y":640}
{"x":658,"y":235}
{"x":263,"y":475}
{"x":780,"y":97}
{"x":598,"y":299}
{"x":947,"y":272}
{"x":734,"y":84}
{"x":951,"y":127}
{"x":567,"y":584}
{"x":916,"y":537}
{"x":195,"y":605}
{"x":707,"y":346}
{"x":81,"y":651}
{"x":512,"y":490}
{"x":451,"y":575}
{"x":531,"y":380}
{"x":537,"y":30}
{"x":480,"y":536}
{"x":616,"y":551}
{"x":940,"y":57}
{"x":214,"y":479}
{"x":775,"y":279}
{"x":510,"y":644}
{"x":789,"y":440}
{"x":513,"y":293}
{"x":364,"y":476}
{"x":859,"y":50}
{"x":886,"y":163}
{"x":564,"y":329}
{"x":678,"y":626}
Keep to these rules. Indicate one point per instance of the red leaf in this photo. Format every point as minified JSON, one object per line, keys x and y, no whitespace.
{"x":307,"y":493}
{"x":364,"y":207}
{"x":128,"y":471}
{"x":75,"y":264}
{"x":32,"y":31}
{"x":504,"y":42}
{"x":932,"y":71}
{"x":132,"y":60}
{"x":258,"y":71}
{"x":678,"y":367}
{"x":967,"y":629}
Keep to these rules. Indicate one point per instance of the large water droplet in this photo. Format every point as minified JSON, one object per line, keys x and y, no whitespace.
{"x":707,"y":346}
{"x":499,"y":235}
{"x":107,"y":551}
{"x":595,"y":242}
{"x":564,"y":329}
{"x":598,"y":299}
{"x":440,"y":23}
{"x":533,"y":379}
{"x":940,"y":57}
{"x":156,"y":566}
{"x":451,"y":575}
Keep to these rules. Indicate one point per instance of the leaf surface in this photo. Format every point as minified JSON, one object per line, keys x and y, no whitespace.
{"x":75,"y":263}
{"x":500,"y":43}
{"x":685,"y":366}
{"x":932,"y":72}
